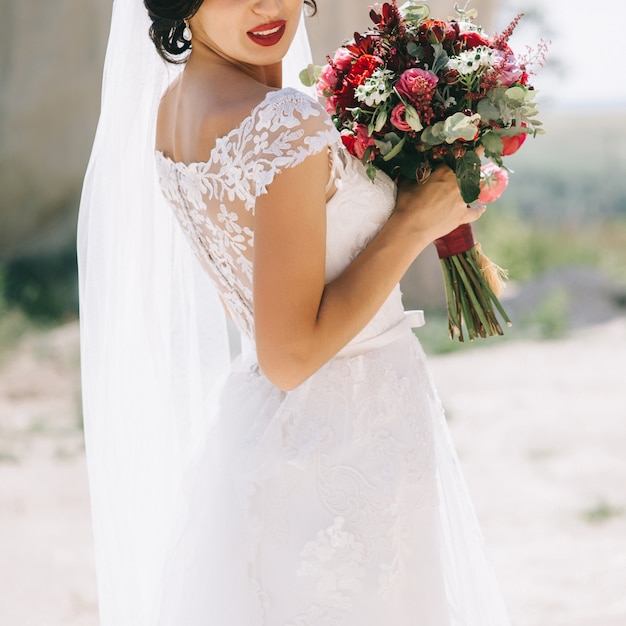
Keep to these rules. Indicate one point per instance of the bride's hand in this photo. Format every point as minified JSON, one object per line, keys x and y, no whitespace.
{"x":435,"y":208}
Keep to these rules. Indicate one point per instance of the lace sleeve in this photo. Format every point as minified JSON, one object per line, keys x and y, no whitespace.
{"x":288,"y":127}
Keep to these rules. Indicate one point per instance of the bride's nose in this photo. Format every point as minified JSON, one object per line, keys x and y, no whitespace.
{"x":268,"y":8}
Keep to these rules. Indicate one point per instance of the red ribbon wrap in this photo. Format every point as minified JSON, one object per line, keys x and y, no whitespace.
{"x":460,"y":240}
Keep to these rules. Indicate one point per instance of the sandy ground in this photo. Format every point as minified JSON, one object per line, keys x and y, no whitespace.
{"x":541,"y":433}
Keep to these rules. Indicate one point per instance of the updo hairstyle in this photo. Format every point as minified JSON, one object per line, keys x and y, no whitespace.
{"x":168,"y":24}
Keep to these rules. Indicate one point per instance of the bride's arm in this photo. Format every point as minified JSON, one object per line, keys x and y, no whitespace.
{"x":301,"y":322}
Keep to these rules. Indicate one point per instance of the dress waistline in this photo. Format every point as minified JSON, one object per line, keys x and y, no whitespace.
{"x":412,"y":319}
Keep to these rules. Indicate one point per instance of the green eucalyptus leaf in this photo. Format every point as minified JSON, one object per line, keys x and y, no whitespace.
{"x":492,"y":143}
{"x":441,"y":58}
{"x":433,"y":135}
{"x":384,"y":147}
{"x":415,"y":50}
{"x":511,"y":131}
{"x":487,"y":110}
{"x":468,"y":176}
{"x":415,"y":12}
{"x":387,"y":143}
{"x":380,"y":119}
{"x":310,"y":75}
{"x":371,"y":171}
{"x":396,"y":150}
{"x":517,"y":94}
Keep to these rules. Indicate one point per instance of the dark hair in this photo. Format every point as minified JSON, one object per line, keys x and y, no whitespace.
{"x":168,"y":23}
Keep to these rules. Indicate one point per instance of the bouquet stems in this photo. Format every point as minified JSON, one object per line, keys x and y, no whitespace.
{"x":472,"y":284}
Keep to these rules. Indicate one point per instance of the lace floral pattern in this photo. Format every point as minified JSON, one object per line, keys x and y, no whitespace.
{"x":335,"y":559}
{"x":364,"y":462}
{"x":214,"y":200}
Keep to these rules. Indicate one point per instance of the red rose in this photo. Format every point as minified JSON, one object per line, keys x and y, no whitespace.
{"x":472,"y":39}
{"x":362,"y":69}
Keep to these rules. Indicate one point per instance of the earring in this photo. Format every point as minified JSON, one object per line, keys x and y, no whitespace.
{"x":187,"y":32}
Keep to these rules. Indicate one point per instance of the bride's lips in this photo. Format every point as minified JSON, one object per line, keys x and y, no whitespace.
{"x":268,"y":34}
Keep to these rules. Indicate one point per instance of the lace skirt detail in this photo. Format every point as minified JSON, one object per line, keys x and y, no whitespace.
{"x":337,"y":504}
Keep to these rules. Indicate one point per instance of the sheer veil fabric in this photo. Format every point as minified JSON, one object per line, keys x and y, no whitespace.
{"x":153,"y":333}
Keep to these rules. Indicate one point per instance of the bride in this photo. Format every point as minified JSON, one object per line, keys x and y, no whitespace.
{"x":312,"y":481}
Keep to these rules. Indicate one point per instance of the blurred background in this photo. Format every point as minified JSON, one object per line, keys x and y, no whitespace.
{"x":537,"y":416}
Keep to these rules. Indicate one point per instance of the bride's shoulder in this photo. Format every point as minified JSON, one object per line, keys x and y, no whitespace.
{"x":289,"y":101}
{"x":294,"y":112}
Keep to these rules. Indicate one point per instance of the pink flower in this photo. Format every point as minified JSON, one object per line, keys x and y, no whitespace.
{"x":331,"y":105}
{"x":509,"y":70}
{"x":417,"y":86}
{"x":493,"y":182}
{"x":343,"y":59}
{"x":327,"y":81}
{"x":398,"y":118}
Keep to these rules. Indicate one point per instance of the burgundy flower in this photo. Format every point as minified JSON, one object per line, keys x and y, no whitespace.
{"x":437,"y":31}
{"x":451,"y":77}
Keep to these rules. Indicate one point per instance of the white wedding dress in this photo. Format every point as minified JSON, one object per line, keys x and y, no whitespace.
{"x":339,"y":503}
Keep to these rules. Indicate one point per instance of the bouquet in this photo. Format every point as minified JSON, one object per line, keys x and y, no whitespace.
{"x":412,"y":93}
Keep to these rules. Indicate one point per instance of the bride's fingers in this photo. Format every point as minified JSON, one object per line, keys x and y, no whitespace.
{"x":474,"y":211}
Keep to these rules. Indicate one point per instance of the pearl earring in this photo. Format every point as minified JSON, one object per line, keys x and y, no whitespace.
{"x":187,"y":32}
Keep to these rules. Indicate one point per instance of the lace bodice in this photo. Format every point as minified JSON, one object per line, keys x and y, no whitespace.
{"x":214,"y":201}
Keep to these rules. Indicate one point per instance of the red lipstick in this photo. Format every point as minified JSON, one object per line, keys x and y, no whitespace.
{"x":268,"y":34}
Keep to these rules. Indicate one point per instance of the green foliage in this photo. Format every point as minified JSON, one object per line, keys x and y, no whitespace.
{"x":415,"y":12}
{"x":528,"y":249}
{"x":549,"y":320}
{"x":310,"y":75}
{"x":36,"y":293}
{"x":602,"y":511}
{"x":43,"y":288}
{"x":468,"y":176}
{"x":565,"y":181}
{"x":510,"y":108}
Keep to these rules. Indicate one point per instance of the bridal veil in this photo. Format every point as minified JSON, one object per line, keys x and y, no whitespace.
{"x":153,"y":334}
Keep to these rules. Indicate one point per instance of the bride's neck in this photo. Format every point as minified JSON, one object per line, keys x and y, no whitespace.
{"x":204,"y":59}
